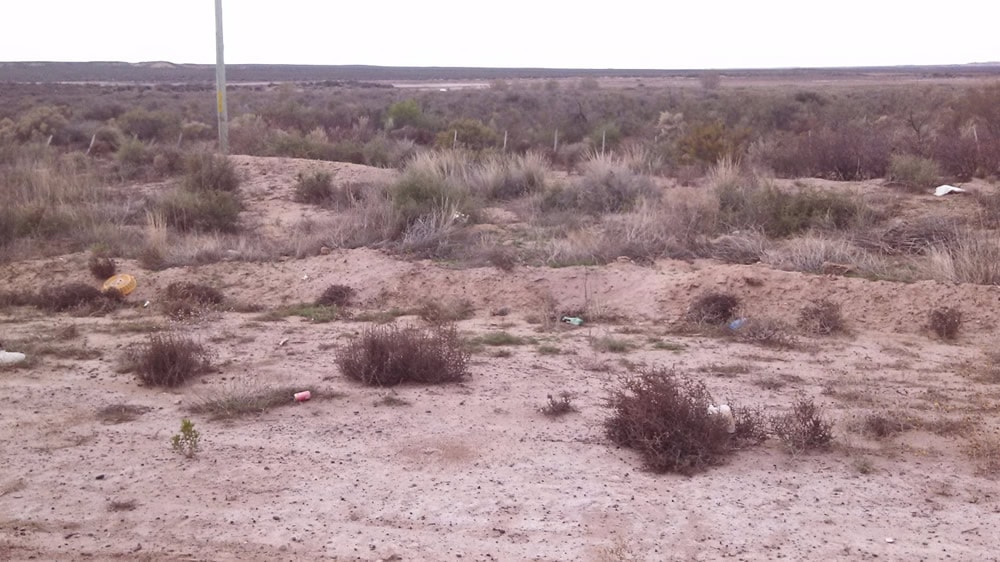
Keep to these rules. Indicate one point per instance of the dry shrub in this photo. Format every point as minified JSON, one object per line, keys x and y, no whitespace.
{"x":713,"y":308}
{"x":910,"y":237}
{"x":822,"y":318}
{"x":387,"y":356}
{"x":184,"y":299}
{"x":945,"y":322}
{"x":559,"y":406}
{"x":804,"y":428}
{"x":78,"y":297}
{"x":665,"y":418}
{"x":167,"y":360}
{"x":444,"y":312}
{"x":884,"y":425}
{"x":120,"y":413}
{"x":17,"y":298}
{"x":336,"y":295}
{"x":101,"y":266}
{"x":767,"y":332}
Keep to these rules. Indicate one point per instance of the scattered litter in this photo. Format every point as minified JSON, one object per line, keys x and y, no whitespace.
{"x":303,"y":396}
{"x":890,"y":540}
{"x":737,"y":324}
{"x":305,"y":277}
{"x":145,"y":304}
{"x":282,"y":342}
{"x":124,"y":282}
{"x":574,"y":320}
{"x":725,"y":412}
{"x":11,"y":357}
{"x":943,"y":190}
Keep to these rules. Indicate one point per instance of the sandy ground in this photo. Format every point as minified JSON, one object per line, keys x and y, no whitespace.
{"x":474,"y":471}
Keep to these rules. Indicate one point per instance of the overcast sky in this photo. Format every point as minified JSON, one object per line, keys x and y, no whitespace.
{"x":508,"y":33}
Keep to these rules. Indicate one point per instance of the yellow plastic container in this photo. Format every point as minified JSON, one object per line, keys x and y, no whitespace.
{"x":124,"y":282}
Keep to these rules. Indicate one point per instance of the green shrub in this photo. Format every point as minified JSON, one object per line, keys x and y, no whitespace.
{"x":210,"y":172}
{"x":760,"y":205}
{"x":187,"y":441}
{"x":472,"y":134}
{"x":205,"y":211}
{"x":913,"y":172}
{"x":420,"y":193}
{"x":149,"y":125}
{"x":315,"y":188}
{"x":132,"y":158}
{"x":406,"y":113}
{"x":41,"y":122}
{"x":387,"y":356}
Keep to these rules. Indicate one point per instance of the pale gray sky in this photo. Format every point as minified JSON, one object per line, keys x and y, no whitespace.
{"x":509,"y":33}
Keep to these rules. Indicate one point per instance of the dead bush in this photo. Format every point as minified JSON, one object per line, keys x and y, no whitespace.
{"x":559,"y":406}
{"x":665,"y":417}
{"x":315,"y":188}
{"x":183,"y":299}
{"x":910,"y":237}
{"x":78,"y":297}
{"x":336,"y":295}
{"x":713,"y":308}
{"x":768,"y":332}
{"x":884,"y":425}
{"x":804,"y":428}
{"x":387,"y":356}
{"x":443,"y":312}
{"x":101,"y":266}
{"x":945,"y":322}
{"x":821,"y":318}
{"x":167,"y":360}
{"x":17,"y":298}
{"x":120,"y":413}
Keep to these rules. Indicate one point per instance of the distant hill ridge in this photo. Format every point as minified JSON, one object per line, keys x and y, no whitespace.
{"x":165,"y":71}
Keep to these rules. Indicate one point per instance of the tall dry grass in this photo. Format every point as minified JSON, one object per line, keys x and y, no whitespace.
{"x":973,"y":257}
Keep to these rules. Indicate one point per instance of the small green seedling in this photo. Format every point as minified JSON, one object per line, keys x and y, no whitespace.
{"x":186,"y":442}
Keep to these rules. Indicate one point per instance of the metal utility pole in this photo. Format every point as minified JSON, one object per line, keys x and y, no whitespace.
{"x":220,"y":82}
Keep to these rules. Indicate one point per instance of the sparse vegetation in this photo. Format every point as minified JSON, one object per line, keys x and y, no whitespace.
{"x":77,"y":297}
{"x":315,"y":188}
{"x":120,"y":413}
{"x":387,"y":356}
{"x":446,"y":311}
{"x":101,"y":266}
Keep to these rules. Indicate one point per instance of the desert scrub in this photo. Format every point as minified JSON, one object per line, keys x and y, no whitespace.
{"x":912,"y":172}
{"x":167,"y":360}
{"x":205,"y":211}
{"x":945,"y":322}
{"x":336,"y":295}
{"x":209,"y":172}
{"x":804,"y":428}
{"x":386,"y":356}
{"x":666,"y":418}
{"x":714,"y":308}
{"x":559,"y":406}
{"x":821,"y":318}
{"x":315,"y":188}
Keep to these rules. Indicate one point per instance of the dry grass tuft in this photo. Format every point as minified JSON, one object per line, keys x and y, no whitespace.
{"x":445,"y":312}
{"x":244,"y":397}
{"x":767,"y":332}
{"x":78,"y":297}
{"x":101,"y":266}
